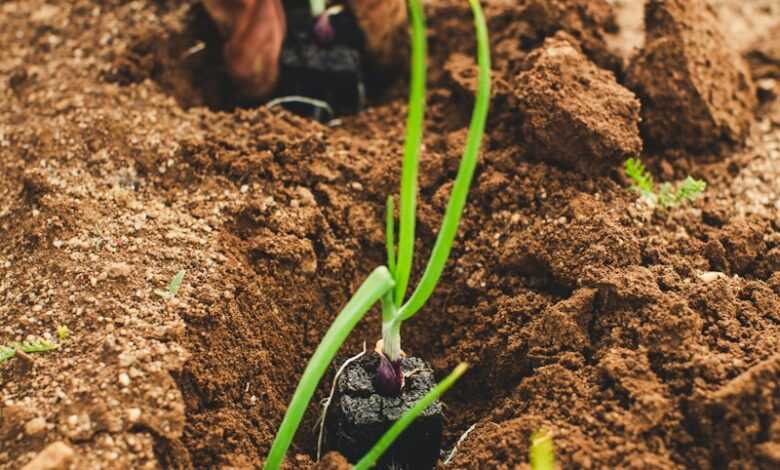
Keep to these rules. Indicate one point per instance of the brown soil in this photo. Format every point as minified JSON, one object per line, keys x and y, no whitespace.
{"x":639,"y":338}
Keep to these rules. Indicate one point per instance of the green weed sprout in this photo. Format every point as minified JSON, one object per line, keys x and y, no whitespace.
{"x":406,"y":419}
{"x":542,"y":453}
{"x":388,"y":285}
{"x":666,"y":196}
{"x":42,"y":345}
{"x":63,"y":332}
{"x":173,"y":287}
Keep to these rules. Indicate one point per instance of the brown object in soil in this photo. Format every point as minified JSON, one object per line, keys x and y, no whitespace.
{"x":254,"y":32}
{"x":383,"y":23}
{"x":56,"y":456}
{"x":695,"y":90}
{"x":333,"y":461}
{"x":573,"y":112}
{"x":764,"y":56}
{"x":524,"y":25}
{"x":739,"y":414}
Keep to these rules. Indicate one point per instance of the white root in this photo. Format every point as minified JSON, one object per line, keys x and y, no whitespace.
{"x":460,"y":440}
{"x":327,"y":401}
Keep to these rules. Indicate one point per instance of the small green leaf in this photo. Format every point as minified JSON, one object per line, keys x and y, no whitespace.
{"x":642,"y":180}
{"x":9,"y":351}
{"x":173,"y":287}
{"x":6,"y":353}
{"x":542,"y":453}
{"x":666,"y":196}
{"x":63,"y":332}
{"x":690,"y":189}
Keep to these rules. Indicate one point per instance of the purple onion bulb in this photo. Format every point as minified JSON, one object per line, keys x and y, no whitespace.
{"x":323,"y":30}
{"x":389,"y":377}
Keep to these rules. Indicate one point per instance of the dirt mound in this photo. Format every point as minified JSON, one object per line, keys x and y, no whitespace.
{"x":573,"y":112}
{"x":695,"y":90}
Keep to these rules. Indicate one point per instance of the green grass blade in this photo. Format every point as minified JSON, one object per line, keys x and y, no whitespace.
{"x":390,"y":234}
{"x":449,"y":227}
{"x":37,"y":346}
{"x":373,"y":288}
{"x":6,"y":353}
{"x":542,"y":453}
{"x":175,"y":284}
{"x":406,"y":419}
{"x":412,"y":148}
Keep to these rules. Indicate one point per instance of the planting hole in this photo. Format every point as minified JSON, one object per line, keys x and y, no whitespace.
{"x":324,"y":71}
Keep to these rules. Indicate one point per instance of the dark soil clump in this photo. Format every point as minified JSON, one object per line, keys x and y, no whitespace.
{"x":331,"y":72}
{"x":359,"y":416}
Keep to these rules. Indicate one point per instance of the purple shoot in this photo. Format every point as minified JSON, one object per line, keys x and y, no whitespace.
{"x":324,"y":33}
{"x":389,"y":377}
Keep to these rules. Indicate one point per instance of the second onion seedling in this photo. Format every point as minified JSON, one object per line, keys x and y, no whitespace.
{"x":388,"y":285}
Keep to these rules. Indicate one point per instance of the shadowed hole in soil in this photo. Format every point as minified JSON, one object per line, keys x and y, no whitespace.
{"x":188,"y":65}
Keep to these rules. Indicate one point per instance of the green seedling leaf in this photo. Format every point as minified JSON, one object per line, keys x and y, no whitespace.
{"x":460,"y":189}
{"x":689,"y":190}
{"x":63,"y":332}
{"x":412,"y":148}
{"x":666,"y":196}
{"x":407,"y":418}
{"x":9,"y":351}
{"x":390,"y":234}
{"x":642,"y":180}
{"x":6,"y":353}
{"x":542,"y":453}
{"x":373,"y":288}
{"x":317,"y":7}
{"x":173,"y":287}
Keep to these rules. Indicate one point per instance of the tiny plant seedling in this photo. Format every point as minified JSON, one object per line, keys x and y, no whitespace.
{"x":173,"y":287}
{"x":406,"y":419}
{"x":388,"y":284}
{"x":542,"y":452}
{"x":8,"y":351}
{"x":665,"y":196}
{"x":63,"y":332}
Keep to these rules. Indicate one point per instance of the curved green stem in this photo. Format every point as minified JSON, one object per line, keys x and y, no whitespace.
{"x":373,"y":288}
{"x":406,"y":419}
{"x":460,"y":190}
{"x":412,"y":148}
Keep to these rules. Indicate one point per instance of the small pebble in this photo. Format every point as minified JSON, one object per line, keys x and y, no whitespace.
{"x":118,"y":270}
{"x":711,"y":276}
{"x":56,"y":456}
{"x":124,"y":379}
{"x":35,"y":427}
{"x":133,"y":414}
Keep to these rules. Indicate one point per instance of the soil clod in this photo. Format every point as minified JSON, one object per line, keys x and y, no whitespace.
{"x":573,"y":112}
{"x":695,"y":89}
{"x":359,"y":416}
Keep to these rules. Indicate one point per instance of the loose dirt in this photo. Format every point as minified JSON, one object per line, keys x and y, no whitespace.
{"x":639,"y":338}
